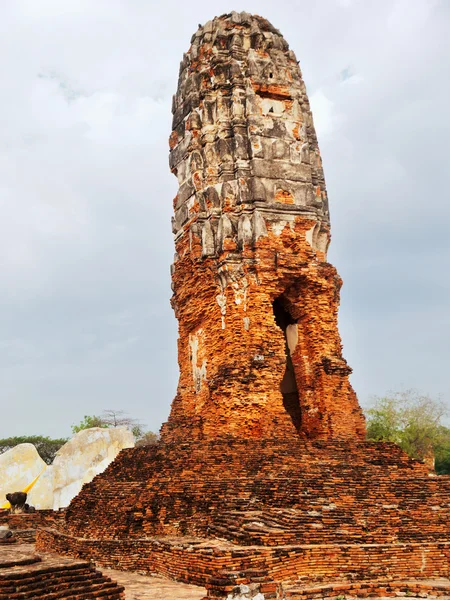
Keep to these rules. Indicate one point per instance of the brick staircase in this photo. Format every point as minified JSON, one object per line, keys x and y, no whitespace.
{"x":25,"y":575}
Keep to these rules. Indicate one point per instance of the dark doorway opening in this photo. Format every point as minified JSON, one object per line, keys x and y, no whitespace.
{"x":288,"y":387}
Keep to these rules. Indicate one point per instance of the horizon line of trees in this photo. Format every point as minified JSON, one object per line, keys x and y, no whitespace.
{"x":413,"y":421}
{"x":48,"y":447}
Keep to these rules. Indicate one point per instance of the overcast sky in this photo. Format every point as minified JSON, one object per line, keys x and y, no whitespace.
{"x":86,"y":195}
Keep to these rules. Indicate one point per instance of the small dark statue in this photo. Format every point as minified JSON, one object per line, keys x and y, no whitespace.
{"x":18,"y":503}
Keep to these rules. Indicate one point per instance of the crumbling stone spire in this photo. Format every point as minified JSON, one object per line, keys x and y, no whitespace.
{"x":259,"y":348}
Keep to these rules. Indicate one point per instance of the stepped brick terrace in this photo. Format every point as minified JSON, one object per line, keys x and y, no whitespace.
{"x":262,"y":485}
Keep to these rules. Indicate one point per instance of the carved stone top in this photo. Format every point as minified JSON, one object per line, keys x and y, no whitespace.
{"x":243,"y":144}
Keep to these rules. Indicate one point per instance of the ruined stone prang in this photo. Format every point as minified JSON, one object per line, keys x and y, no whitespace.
{"x":257,"y":303}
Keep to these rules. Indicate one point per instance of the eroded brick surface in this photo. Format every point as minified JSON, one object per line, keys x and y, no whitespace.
{"x":268,"y":492}
{"x":251,"y":232}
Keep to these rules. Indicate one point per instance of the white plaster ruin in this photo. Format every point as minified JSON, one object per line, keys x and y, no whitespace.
{"x":83,"y":457}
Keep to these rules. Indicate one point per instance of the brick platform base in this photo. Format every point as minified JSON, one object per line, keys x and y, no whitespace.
{"x":272,"y":513}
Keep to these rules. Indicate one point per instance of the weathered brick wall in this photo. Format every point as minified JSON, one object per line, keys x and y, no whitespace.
{"x":221,"y":567}
{"x":24,"y":526}
{"x":269,"y":493}
{"x":366,"y":589}
{"x":251,"y":229}
{"x":40,"y":518}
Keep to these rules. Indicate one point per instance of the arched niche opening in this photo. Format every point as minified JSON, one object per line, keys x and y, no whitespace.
{"x":288,"y":386}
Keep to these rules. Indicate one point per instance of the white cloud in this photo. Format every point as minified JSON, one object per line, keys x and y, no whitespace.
{"x":410,"y":16}
{"x":324,"y":113}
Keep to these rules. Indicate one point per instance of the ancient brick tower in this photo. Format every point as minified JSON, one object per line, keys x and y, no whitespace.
{"x":259,"y":348}
{"x":261,"y":478}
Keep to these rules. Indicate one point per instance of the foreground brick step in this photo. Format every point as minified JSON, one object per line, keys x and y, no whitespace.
{"x":16,"y":559}
{"x":81,"y":591}
{"x":43,"y":568}
{"x":24,"y":576}
{"x":94,"y":585}
{"x":61,"y":576}
{"x":363,"y":589}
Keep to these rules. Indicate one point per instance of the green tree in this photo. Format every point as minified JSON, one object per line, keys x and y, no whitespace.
{"x":46,"y":447}
{"x":111,"y":418}
{"x":413,"y":421}
{"x":442,"y":452}
{"x":384,"y":420}
{"x":88,"y":422}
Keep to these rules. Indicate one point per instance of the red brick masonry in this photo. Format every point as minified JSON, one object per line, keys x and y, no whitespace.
{"x":269,"y":511}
